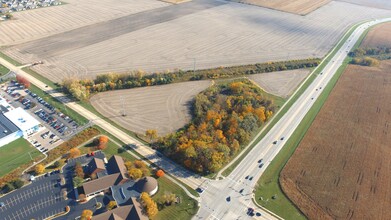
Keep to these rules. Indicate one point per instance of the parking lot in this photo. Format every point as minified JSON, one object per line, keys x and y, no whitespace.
{"x":57,"y":125}
{"x":39,"y":200}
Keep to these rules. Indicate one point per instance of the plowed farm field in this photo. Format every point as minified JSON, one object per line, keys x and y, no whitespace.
{"x":341,"y":169}
{"x":164,"y":108}
{"x":208,"y":33}
{"x":300,"y":7}
{"x":281,"y":83}
{"x":378,"y":36}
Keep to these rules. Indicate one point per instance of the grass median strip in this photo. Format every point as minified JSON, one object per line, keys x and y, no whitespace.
{"x":10,"y":60}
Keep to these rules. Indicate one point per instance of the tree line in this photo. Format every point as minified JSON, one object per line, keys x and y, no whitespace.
{"x":370,"y":56}
{"x":82,"y":89}
{"x":225,"y":117}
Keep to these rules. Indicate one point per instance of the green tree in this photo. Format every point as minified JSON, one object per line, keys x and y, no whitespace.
{"x":77,"y":181}
{"x":18,"y":183}
{"x":111,"y":205}
{"x":8,"y":187}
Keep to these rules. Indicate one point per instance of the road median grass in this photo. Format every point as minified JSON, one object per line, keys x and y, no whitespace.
{"x":269,"y":193}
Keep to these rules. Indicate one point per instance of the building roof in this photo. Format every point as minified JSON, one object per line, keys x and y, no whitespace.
{"x":21,"y":119}
{"x":132,"y":212}
{"x":146,"y":184}
{"x":122,"y":193}
{"x":96,"y":164}
{"x":116,"y":165}
{"x":6,"y":126}
{"x":102,"y":183}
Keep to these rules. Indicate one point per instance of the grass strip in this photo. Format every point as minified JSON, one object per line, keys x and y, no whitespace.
{"x":42,"y":78}
{"x":3,"y":70}
{"x":9,"y":59}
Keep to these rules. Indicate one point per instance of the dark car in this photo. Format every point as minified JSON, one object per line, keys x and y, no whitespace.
{"x":260,"y":161}
{"x":240,"y":191}
{"x":261,"y":165}
{"x":251,"y":178}
{"x":199,"y":190}
{"x":282,"y":138}
{"x":228,"y":199}
{"x":274,"y":142}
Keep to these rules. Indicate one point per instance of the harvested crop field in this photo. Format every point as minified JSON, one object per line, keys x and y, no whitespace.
{"x":384,"y":4}
{"x":280,"y":83}
{"x":301,"y":7}
{"x":164,"y":108}
{"x":379,"y":36}
{"x":34,"y":24}
{"x":213,"y":33}
{"x":341,"y":169}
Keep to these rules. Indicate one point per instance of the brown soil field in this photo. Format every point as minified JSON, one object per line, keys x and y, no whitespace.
{"x":280,"y":83}
{"x":378,"y":36}
{"x":164,"y":108}
{"x":301,"y":7}
{"x":341,"y":169}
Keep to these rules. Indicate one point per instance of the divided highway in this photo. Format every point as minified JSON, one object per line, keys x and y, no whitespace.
{"x":231,"y":197}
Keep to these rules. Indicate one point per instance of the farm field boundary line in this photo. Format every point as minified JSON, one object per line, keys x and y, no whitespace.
{"x":293,"y":98}
{"x":271,"y":174}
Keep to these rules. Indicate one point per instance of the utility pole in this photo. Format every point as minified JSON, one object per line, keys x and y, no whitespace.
{"x":194,"y":67}
{"x":123,"y":107}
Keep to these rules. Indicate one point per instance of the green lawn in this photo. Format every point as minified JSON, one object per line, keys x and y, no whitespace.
{"x":184,"y":210}
{"x":3,"y":70}
{"x":15,"y":154}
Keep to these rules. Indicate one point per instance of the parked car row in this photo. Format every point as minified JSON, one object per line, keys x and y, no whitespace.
{"x":51,"y":120}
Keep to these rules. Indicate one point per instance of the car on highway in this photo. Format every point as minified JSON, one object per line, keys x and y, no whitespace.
{"x":228,"y":199}
{"x":251,"y":178}
{"x":261,"y":165}
{"x":240,"y":191}
{"x":282,"y":138}
{"x":250,"y":211}
{"x":260,"y":161}
{"x":274,"y":142}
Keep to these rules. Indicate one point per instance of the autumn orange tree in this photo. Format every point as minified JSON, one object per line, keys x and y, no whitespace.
{"x":23,"y":81}
{"x":159,"y":173}
{"x":86,"y":214}
{"x":225,"y":117}
{"x":149,"y":205}
{"x":74,"y":152}
{"x":102,"y":142}
{"x":39,"y":169}
{"x":79,"y":170}
{"x":151,"y":134}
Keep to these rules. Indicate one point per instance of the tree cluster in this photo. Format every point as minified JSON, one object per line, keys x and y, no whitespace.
{"x":225,"y":117}
{"x":23,"y":81}
{"x":14,"y":184}
{"x":81,"y":89}
{"x":137,"y":169}
{"x":101,"y":142}
{"x":366,"y":61}
{"x":150,"y":206}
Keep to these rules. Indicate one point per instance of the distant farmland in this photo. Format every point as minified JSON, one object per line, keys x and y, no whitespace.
{"x":300,"y":7}
{"x":206,"y":33}
{"x":341,"y":169}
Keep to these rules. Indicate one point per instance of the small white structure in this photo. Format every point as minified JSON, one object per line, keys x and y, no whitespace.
{"x":26,"y":123}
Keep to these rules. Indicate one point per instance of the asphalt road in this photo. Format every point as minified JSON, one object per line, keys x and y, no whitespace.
{"x":214,"y":204}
